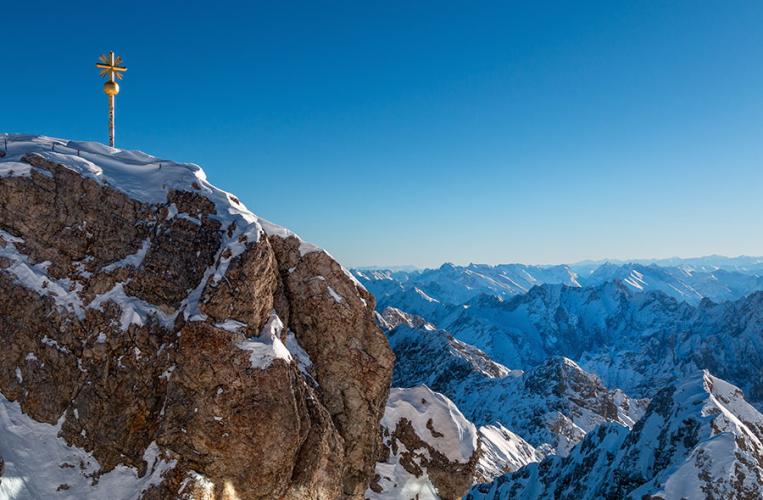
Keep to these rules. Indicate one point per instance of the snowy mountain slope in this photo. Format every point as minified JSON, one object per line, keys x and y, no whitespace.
{"x":431,"y":449}
{"x":709,"y":263}
{"x":698,"y":439}
{"x":451,"y":284}
{"x":636,"y":341}
{"x":551,"y":319}
{"x":681,"y":283}
{"x":502,"y":451}
{"x":393,"y":317}
{"x":551,"y":406}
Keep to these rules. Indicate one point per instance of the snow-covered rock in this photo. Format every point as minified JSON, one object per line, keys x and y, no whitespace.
{"x":503,"y":451}
{"x":37,"y":463}
{"x":698,"y":439}
{"x":431,"y":449}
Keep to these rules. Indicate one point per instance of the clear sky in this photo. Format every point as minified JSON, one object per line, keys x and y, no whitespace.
{"x":422,"y":132}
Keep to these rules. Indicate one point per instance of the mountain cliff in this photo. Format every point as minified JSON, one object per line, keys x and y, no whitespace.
{"x":163,"y":339}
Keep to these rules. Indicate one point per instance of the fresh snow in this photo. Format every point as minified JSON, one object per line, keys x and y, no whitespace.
{"x":456,"y":439}
{"x":15,"y":169}
{"x":38,"y":462}
{"x":304,"y":363}
{"x":134,"y":310}
{"x":503,"y":451}
{"x":134,"y":260}
{"x":267,"y":347}
{"x":337,"y":298}
{"x":231,"y":325}
{"x":397,"y":483}
{"x":698,"y":439}
{"x":34,"y":277}
{"x":420,"y":404}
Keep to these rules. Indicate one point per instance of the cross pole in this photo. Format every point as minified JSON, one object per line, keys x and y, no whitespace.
{"x":111,"y":66}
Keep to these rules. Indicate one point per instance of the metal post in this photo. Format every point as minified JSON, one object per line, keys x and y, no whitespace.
{"x":111,"y":121}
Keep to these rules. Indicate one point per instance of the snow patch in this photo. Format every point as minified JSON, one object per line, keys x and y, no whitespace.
{"x":35,"y":464}
{"x":303,"y":359}
{"x":15,"y":169}
{"x":337,"y":298}
{"x":134,"y":310}
{"x":231,"y":325}
{"x":134,"y":260}
{"x":268,"y":346}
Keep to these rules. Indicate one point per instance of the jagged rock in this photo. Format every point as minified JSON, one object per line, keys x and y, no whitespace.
{"x":322,"y":304}
{"x":147,"y":314}
{"x":551,"y":406}
{"x":392,"y":317}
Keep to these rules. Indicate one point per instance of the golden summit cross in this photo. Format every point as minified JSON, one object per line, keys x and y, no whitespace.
{"x":111,"y":66}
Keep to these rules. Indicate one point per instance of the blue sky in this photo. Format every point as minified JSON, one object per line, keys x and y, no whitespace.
{"x":416,"y":133}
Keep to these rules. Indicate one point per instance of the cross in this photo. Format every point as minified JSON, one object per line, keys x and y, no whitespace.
{"x":112,"y":67}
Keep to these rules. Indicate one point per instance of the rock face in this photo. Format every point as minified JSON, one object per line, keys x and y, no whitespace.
{"x":141,"y":307}
{"x":698,"y":439}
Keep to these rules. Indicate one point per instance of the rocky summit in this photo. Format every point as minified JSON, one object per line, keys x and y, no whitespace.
{"x":162,"y":341}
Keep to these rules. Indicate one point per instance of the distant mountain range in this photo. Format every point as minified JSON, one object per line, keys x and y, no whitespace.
{"x":601,"y":382}
{"x":714,"y":277}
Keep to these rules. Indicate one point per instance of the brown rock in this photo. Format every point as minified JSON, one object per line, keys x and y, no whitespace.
{"x":149,"y":369}
{"x":352,"y":360}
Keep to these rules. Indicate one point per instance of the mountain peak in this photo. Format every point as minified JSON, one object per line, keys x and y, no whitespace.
{"x":154,"y":325}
